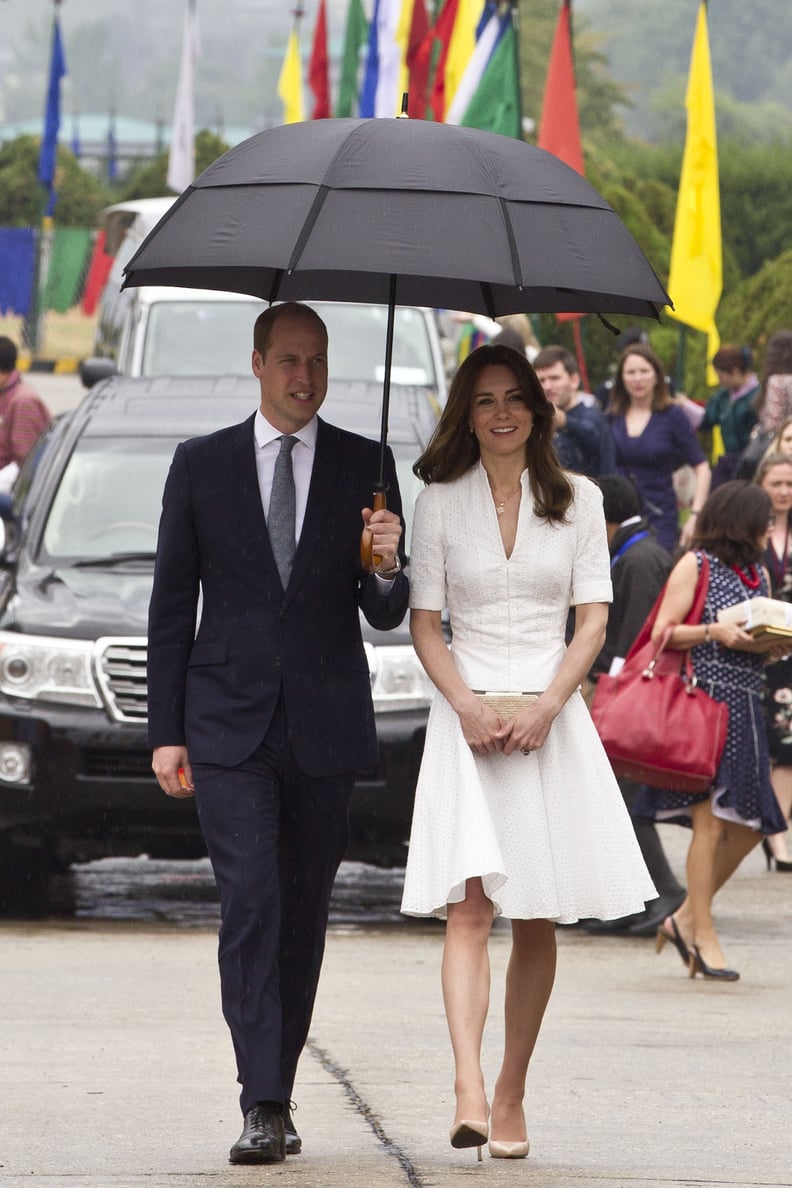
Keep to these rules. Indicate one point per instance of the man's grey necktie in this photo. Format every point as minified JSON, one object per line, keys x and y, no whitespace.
{"x":281,"y":522}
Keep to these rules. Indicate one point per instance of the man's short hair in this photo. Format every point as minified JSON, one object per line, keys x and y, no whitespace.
{"x":265,"y":322}
{"x":620,"y":498}
{"x":8,"y":354}
{"x":550,"y":355}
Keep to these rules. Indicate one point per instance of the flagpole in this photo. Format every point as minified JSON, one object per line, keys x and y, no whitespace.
{"x":32,"y":331}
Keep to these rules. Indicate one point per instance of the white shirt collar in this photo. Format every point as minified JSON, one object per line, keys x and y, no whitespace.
{"x":265,"y":433}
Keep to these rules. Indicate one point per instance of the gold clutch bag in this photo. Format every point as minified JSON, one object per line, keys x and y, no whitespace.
{"x":506,"y":705}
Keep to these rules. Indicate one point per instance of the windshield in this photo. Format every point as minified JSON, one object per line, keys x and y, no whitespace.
{"x":199,"y":337}
{"x":110,"y":497}
{"x":216,"y":338}
{"x":356,"y":336}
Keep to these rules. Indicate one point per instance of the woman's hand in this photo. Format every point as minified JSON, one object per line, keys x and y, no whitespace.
{"x":528,"y":731}
{"x":481,"y":727}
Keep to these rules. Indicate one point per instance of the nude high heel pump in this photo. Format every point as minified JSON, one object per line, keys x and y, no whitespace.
{"x":469,"y":1134}
{"x":508,"y":1150}
{"x":500,"y":1150}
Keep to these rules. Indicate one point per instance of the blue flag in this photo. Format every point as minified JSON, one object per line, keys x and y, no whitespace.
{"x":49,"y":141}
{"x":368,"y":92}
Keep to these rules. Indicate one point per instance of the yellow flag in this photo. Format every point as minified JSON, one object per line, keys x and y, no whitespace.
{"x":290,"y":82}
{"x":696,"y":277}
{"x":461,"y":46}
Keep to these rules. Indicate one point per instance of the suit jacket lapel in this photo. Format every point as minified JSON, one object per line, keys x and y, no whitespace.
{"x":246,"y":480}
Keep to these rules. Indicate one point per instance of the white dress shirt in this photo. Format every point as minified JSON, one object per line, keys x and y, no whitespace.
{"x":267,"y":449}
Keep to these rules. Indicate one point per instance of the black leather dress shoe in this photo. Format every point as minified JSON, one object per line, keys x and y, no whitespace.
{"x":262,"y":1139}
{"x":293,"y":1140}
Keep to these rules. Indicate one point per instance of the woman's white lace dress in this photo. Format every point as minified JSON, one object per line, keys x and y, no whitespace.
{"x":547,"y":832}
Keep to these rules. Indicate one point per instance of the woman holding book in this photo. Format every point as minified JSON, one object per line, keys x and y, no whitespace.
{"x":729,"y":819}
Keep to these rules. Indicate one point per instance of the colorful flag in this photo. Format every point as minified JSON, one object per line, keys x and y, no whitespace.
{"x":181,"y":159}
{"x":98,"y":272}
{"x":474,"y":72}
{"x":559,"y":128}
{"x":417,"y":62}
{"x":368,"y":92}
{"x":318,"y":67}
{"x":495,"y":105}
{"x":48,"y":157}
{"x":355,"y":37}
{"x":442,"y":31}
{"x":460,"y":46}
{"x":696,"y":274}
{"x":112,"y":149}
{"x":387,"y":101}
{"x":290,"y":81}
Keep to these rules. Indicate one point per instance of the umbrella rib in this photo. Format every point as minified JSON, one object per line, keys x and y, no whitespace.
{"x":308,"y":226}
{"x":515,"y":255}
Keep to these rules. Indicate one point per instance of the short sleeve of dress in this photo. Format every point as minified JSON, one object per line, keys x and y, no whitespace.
{"x":427,"y":552}
{"x":591,"y":581}
{"x":686,"y":444}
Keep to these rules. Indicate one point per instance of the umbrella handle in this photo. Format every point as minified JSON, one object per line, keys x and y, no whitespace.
{"x":368,"y":560}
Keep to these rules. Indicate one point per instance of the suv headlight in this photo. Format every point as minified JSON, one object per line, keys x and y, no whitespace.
{"x":398,"y":681}
{"x":44,"y":668}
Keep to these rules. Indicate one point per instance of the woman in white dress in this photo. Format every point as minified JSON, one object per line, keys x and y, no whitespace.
{"x":524,"y":817}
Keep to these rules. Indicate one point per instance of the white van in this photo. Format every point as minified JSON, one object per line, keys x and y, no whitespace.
{"x":154,"y":330}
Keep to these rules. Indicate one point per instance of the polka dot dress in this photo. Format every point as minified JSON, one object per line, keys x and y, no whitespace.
{"x":742,"y":790}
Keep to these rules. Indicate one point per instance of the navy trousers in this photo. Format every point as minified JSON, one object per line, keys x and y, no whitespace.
{"x":275,"y":839}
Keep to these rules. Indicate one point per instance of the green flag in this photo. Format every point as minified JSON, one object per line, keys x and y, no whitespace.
{"x":495,"y":105}
{"x":355,"y":37}
{"x":67,"y":263}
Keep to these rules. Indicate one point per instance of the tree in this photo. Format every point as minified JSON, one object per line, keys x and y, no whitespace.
{"x":149,"y":181}
{"x":80,"y":195}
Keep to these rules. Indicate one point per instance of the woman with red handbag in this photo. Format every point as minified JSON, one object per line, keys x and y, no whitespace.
{"x":731,"y":818}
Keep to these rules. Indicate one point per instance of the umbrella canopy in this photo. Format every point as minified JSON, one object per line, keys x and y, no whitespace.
{"x":450,"y":217}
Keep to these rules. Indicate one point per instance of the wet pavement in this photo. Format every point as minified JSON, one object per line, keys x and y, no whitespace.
{"x":183,"y":893}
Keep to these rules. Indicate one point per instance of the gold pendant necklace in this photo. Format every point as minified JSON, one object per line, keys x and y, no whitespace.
{"x":500,"y":506}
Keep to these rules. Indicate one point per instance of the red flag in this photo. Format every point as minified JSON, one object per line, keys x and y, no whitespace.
{"x":559,"y":130}
{"x":444,"y":27}
{"x":318,"y":77}
{"x":418,"y":61}
{"x":98,"y":272}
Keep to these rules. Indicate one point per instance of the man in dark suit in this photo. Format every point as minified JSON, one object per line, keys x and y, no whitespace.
{"x":266,"y":713}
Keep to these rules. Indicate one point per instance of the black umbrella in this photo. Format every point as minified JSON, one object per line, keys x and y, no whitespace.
{"x":400,"y":211}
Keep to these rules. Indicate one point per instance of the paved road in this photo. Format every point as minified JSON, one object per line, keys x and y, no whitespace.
{"x":59,"y":392}
{"x":115,"y":1068}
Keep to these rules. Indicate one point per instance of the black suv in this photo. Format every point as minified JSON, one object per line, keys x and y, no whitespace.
{"x":75,"y":580}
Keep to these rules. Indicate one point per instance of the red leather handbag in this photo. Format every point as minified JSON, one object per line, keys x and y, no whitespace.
{"x":656,"y":725}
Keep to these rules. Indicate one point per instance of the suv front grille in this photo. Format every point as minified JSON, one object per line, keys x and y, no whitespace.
{"x":121,"y":674}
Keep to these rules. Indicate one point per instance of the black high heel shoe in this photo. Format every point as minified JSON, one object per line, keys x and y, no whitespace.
{"x":770,"y":858}
{"x":699,"y":965}
{"x":662,"y":935}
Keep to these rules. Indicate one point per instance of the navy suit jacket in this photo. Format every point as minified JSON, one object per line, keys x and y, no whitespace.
{"x":216,"y":691}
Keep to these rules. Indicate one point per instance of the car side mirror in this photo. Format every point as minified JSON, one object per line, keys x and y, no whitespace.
{"x":92,"y":371}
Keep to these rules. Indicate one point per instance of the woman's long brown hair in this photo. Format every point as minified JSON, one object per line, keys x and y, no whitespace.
{"x":453,"y":449}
